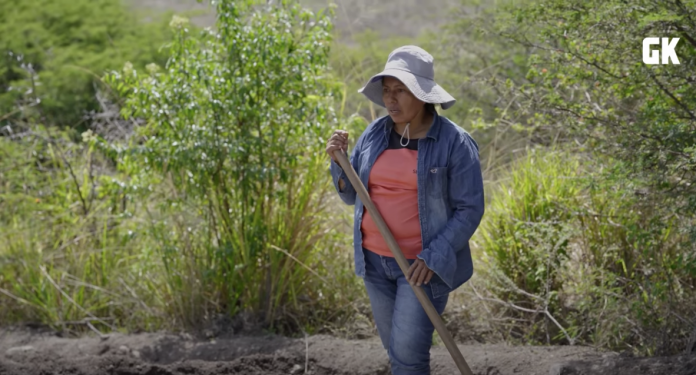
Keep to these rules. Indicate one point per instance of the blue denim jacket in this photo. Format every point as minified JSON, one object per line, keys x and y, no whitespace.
{"x":450,"y":196}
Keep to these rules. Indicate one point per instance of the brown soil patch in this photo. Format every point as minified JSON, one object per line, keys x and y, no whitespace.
{"x":24,"y":351}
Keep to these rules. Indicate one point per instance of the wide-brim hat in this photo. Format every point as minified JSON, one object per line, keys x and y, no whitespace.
{"x":413,"y":66}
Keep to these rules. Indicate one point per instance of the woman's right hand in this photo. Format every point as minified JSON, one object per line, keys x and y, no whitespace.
{"x":338,"y":141}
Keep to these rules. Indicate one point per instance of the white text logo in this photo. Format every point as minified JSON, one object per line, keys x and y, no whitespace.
{"x":652,"y":56}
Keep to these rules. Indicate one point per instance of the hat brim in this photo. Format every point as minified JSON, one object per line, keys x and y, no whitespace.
{"x":424,"y":89}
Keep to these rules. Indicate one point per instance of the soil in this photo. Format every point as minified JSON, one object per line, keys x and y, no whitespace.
{"x":30,"y":351}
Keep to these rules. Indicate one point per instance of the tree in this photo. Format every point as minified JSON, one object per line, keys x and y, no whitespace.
{"x":588,"y":91}
{"x":587,"y":83}
{"x":53,"y":53}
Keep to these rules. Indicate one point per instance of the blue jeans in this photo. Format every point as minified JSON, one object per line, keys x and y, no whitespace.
{"x":404,"y":327}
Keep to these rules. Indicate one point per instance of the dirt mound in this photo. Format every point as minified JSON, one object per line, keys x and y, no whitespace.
{"x":29,"y":352}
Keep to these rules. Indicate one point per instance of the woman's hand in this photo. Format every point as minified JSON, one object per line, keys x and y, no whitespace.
{"x":338,"y":141}
{"x":419,"y":273}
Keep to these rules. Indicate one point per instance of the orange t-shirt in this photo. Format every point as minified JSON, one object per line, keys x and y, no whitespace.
{"x":393,"y":187}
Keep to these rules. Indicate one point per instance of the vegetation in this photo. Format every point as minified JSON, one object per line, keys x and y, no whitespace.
{"x":218,"y":202}
{"x":581,"y":259}
{"x":54,"y":53}
{"x":611,"y":238}
{"x":213,"y":197}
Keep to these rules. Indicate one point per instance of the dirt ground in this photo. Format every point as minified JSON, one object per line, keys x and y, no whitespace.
{"x":33,"y":352}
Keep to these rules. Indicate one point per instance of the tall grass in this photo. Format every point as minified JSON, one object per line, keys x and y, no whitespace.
{"x":134,"y":261}
{"x":572,"y":256}
{"x":218,"y":204}
{"x":67,"y":253}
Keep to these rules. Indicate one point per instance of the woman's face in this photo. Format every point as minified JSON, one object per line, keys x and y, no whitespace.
{"x":402,"y":105}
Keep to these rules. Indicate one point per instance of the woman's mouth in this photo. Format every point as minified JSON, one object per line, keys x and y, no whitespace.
{"x":393,"y":111}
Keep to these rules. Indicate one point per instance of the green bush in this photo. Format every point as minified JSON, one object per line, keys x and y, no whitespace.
{"x":237,"y":120}
{"x":573,"y":255}
{"x":53,"y":53}
{"x":586,"y":84}
{"x":71,"y":250}
{"x":219,"y":204}
{"x":604,"y":255}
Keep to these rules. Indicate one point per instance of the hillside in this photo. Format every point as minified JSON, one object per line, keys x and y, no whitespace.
{"x":405,"y":18}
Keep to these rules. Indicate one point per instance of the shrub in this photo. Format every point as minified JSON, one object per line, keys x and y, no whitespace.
{"x":573,"y":255}
{"x":219,"y":204}
{"x":70,"y":255}
{"x":586,"y":84}
{"x":623,"y":272}
{"x":54,"y":52}
{"x":236,"y":121}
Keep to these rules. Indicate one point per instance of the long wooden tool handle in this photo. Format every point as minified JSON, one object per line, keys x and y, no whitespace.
{"x":403,"y":263}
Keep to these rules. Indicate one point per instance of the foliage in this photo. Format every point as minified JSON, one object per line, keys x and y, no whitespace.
{"x":236,"y":122}
{"x":219,"y":204}
{"x":70,"y":251}
{"x":573,"y":257}
{"x":470,"y":55}
{"x":587,"y":83}
{"x":622,"y":274}
{"x":54,"y":52}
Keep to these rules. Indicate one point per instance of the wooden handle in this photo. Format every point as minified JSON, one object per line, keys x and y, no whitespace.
{"x":403,"y":263}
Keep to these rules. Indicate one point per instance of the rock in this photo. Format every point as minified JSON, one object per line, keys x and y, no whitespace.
{"x":136,"y":354}
{"x":19,"y":349}
{"x":123,"y":349}
{"x":561,"y":369}
{"x":295,"y":369}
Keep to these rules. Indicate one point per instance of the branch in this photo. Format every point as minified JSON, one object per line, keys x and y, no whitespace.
{"x":688,"y":15}
{"x":530,"y":44}
{"x":664,"y":89}
{"x":686,"y":36}
{"x":546,"y":312}
{"x":72,"y":174}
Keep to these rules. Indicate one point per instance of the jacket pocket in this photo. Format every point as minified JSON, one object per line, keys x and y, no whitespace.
{"x":437,"y":182}
{"x":438,"y":287}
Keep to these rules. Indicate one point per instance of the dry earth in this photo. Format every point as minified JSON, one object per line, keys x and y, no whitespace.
{"x":32,"y":352}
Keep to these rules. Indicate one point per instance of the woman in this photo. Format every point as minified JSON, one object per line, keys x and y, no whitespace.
{"x":423,"y":174}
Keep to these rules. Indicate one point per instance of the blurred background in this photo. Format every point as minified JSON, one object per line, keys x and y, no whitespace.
{"x":162,"y":164}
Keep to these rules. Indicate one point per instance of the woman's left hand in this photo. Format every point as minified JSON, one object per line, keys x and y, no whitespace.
{"x":419,"y":273}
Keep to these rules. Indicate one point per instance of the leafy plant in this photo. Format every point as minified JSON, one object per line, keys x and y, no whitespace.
{"x":587,"y":83}
{"x":219,"y":204}
{"x":68,"y":232}
{"x":53,"y":53}
{"x":574,"y":256}
{"x":236,"y":121}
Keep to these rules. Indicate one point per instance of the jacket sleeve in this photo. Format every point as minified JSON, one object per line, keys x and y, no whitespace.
{"x":465,"y":189}
{"x":348,"y":193}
